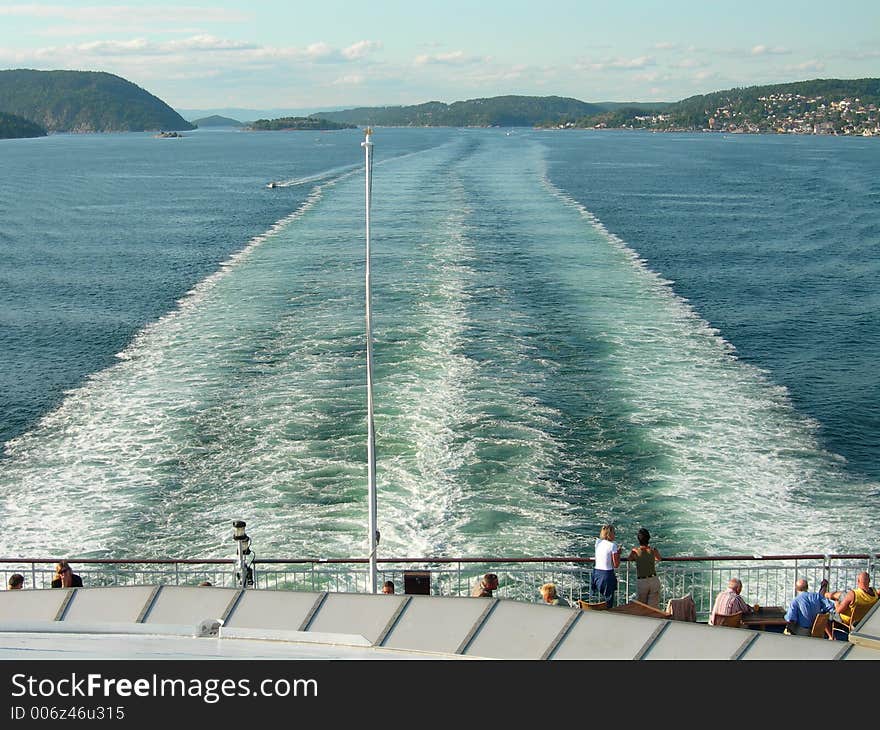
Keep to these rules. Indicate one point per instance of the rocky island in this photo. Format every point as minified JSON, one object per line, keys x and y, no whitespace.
{"x":284,"y":124}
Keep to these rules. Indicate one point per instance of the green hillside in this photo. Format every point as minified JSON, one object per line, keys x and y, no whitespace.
{"x":84,"y":101}
{"x":217,"y":121}
{"x":13,"y":127}
{"x":500,"y":111}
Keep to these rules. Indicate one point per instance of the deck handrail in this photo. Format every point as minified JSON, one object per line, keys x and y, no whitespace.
{"x":768,"y":579}
{"x":300,"y":561}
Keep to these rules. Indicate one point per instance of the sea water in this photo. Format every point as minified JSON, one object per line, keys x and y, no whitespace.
{"x":670,"y":331}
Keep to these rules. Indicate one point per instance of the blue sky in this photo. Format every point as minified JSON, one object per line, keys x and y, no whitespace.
{"x":325,"y":53}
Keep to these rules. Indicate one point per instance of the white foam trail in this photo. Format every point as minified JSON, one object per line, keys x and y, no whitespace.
{"x":740,"y":460}
{"x":83,"y":460}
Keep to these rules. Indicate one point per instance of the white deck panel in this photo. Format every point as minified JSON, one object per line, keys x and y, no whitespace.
{"x":685,"y":640}
{"x":603,"y":635}
{"x":122,"y":604}
{"x":122,"y":646}
{"x":356,"y":613}
{"x":778,"y":646}
{"x":272,"y":610}
{"x":31,"y":605}
{"x":861,"y":652}
{"x":99,"y":623}
{"x":450,"y":621}
{"x":189,"y":605}
{"x":518,"y":630}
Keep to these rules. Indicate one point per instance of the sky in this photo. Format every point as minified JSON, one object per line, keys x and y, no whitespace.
{"x":290,"y":54}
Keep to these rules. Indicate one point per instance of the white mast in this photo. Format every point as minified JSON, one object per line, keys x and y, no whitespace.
{"x":367,"y":144}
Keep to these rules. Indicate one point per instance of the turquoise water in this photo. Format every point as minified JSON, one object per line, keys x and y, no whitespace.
{"x":183,"y":346}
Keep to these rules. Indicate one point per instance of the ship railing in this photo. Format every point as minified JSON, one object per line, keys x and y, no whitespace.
{"x":767,"y":580}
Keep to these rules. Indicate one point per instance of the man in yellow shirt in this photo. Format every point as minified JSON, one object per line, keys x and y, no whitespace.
{"x":853,"y":603}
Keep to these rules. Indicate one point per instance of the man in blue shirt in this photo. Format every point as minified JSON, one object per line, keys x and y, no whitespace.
{"x":804,"y":609}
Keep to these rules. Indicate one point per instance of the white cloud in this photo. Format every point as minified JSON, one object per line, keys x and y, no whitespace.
{"x":350,"y":80}
{"x":453,"y":58}
{"x":762,"y":50}
{"x":813,"y":65}
{"x":319,"y":51}
{"x":651,"y":76}
{"x":189,"y":49}
{"x":69,"y":30}
{"x":665,"y":46}
{"x":361,"y":49}
{"x":142,"y":47}
{"x":619,"y":64}
{"x":690,"y":63}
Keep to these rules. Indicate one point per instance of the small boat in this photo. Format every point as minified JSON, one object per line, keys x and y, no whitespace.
{"x":272,"y":184}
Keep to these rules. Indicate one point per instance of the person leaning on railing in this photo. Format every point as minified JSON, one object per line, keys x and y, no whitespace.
{"x":646,"y":559}
{"x":604,"y":579}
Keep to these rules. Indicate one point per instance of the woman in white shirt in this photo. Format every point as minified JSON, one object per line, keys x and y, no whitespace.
{"x":604,"y":579}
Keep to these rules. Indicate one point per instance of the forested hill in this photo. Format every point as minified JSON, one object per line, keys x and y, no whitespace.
{"x":501,"y":111}
{"x":215,"y":120}
{"x":84,"y":101}
{"x":13,"y":127}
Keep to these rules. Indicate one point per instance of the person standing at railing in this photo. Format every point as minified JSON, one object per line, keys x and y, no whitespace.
{"x":604,"y":579}
{"x":646,"y":559}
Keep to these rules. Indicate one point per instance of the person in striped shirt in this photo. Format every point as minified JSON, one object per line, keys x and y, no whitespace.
{"x":729,"y":602}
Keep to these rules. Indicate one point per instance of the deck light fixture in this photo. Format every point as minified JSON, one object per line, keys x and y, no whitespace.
{"x":245,"y":574}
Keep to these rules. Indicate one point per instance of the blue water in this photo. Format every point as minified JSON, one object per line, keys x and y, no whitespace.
{"x":675,"y":331}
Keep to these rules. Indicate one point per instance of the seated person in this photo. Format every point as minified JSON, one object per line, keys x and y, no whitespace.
{"x":65,"y":577}
{"x":804,"y":609}
{"x":388,"y":587}
{"x":550,"y":596}
{"x":847,"y":603}
{"x":484,"y":589}
{"x":15,"y":583}
{"x":729,"y":602}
